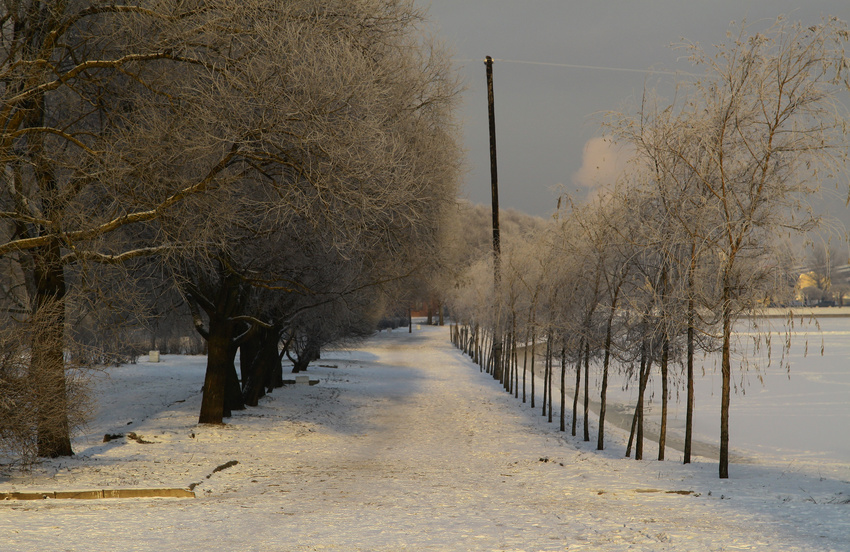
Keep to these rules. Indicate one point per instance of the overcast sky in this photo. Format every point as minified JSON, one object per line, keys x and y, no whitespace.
{"x":546,"y":115}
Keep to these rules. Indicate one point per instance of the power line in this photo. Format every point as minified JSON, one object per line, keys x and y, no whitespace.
{"x":594,"y":67}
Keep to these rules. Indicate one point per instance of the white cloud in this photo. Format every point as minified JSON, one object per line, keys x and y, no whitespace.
{"x":603,"y":163}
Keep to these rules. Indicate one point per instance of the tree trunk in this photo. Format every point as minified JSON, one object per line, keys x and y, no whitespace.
{"x":662,"y":434}
{"x":275,"y":380}
{"x":265,"y":359}
{"x":689,"y":416}
{"x":507,"y":363}
{"x":233,"y":399}
{"x":475,"y":342}
{"x":726,"y":369}
{"x":515,"y":358}
{"x":689,"y":409}
{"x":487,"y":353}
{"x":272,"y":358}
{"x":497,"y":356}
{"x":563,"y":388}
{"x":643,"y":362}
{"x":603,"y":393}
{"x":545,"y":377}
{"x":48,"y":319}
{"x":219,"y":364}
{"x":47,"y":365}
{"x":549,"y":361}
{"x":524,"y":366}
{"x":533,"y":339}
{"x":578,"y":386}
{"x":641,"y":394}
{"x":586,"y":389}
{"x":249,"y":355}
{"x":631,"y":441}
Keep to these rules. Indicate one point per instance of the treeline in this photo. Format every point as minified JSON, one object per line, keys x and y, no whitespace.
{"x":266,"y":173}
{"x":657,"y":268}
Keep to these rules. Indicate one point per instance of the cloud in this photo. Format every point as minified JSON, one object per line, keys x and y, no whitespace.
{"x":603,"y":163}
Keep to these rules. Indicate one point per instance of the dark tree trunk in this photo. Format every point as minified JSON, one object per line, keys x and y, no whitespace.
{"x":233,"y":399}
{"x":689,"y":416}
{"x":689,"y":409}
{"x":524,"y":366}
{"x":249,"y":352}
{"x":662,"y":434}
{"x":271,"y":356}
{"x":47,"y":365}
{"x":487,"y":353}
{"x":586,"y":389}
{"x":603,"y":397}
{"x":634,"y":426}
{"x":641,"y":394}
{"x":726,"y":370}
{"x":639,"y":405}
{"x":310,"y":353}
{"x":222,"y":392}
{"x":476,"y":348}
{"x":549,"y":385}
{"x":219,"y":365}
{"x":515,"y":360}
{"x":563,"y":388}
{"x":603,"y":393}
{"x":275,"y":380}
{"x":545,"y":377}
{"x":506,"y":363}
{"x":253,"y":374}
{"x":265,"y":360}
{"x":578,"y":386}
{"x":533,"y":339}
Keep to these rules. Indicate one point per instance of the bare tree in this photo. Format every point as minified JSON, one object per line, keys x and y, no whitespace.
{"x":126,"y":128}
{"x":67,"y":67}
{"x":747,"y":144}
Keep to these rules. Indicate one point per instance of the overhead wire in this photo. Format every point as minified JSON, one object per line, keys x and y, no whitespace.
{"x":593,"y":67}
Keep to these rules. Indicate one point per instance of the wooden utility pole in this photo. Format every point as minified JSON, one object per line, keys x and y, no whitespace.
{"x":494,"y":191}
{"x":494,"y":177}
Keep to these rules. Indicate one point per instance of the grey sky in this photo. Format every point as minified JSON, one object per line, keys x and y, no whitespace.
{"x":545,"y":114}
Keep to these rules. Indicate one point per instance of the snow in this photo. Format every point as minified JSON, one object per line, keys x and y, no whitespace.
{"x":799,"y":412}
{"x":405,"y":445}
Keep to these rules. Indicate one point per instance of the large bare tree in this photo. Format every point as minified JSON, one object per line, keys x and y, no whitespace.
{"x":131,"y":130}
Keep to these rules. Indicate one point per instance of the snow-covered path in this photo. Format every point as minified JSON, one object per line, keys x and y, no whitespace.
{"x":404,"y":445}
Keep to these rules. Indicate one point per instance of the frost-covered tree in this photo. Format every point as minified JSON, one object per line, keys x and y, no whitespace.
{"x":745,"y":145}
{"x":131,"y":130}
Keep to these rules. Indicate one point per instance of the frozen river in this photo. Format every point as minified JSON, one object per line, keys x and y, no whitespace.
{"x":798,"y":411}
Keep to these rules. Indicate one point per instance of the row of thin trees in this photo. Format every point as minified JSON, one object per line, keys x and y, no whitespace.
{"x":657,"y":268}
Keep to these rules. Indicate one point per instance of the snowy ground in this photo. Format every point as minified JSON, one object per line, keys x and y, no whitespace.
{"x":797,"y":412}
{"x":403,"y":445}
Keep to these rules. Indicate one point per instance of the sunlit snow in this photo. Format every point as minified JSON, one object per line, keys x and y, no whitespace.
{"x":405,"y":445}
